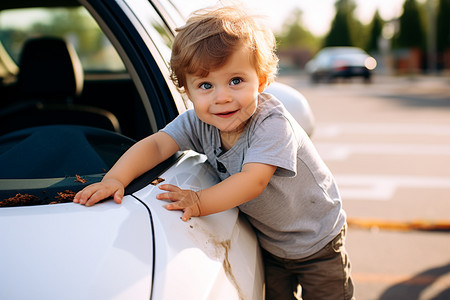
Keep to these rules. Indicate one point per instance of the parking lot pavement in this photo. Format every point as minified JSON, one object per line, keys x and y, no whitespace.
{"x":399,"y":265}
{"x":388,"y":145}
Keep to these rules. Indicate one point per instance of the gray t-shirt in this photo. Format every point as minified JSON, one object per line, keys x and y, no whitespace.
{"x":300,"y":210}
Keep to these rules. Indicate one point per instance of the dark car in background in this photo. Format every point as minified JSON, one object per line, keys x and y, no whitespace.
{"x":331,"y":63}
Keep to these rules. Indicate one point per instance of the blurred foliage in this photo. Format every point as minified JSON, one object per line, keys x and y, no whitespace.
{"x":443,"y":25}
{"x":341,"y":33}
{"x":87,"y":38}
{"x":295,"y":44}
{"x":411,"y":29}
{"x":408,"y":31}
{"x":295,"y":35}
{"x":345,"y":30}
{"x":375,"y":33}
{"x":75,"y":25}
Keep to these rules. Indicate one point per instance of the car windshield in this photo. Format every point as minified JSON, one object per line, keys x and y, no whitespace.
{"x":345,"y":50}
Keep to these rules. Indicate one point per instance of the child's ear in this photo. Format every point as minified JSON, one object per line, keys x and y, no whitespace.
{"x":262,"y":84}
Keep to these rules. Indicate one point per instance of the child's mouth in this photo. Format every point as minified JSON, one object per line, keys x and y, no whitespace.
{"x":226,"y":114}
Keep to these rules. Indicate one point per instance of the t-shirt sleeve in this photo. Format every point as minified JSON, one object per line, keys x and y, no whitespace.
{"x":184,"y":130}
{"x":273,"y":141}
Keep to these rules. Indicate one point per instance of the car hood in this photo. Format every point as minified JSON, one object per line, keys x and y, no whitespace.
{"x":106,"y":250}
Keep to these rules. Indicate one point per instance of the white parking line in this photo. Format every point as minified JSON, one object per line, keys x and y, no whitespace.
{"x":341,"y":151}
{"x":324,"y":130}
{"x":383,"y":187}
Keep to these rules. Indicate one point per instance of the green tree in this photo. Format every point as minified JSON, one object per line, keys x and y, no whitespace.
{"x":61,"y":22}
{"x":340,"y":33}
{"x":89,"y":39}
{"x":411,"y":32}
{"x":295,"y":43}
{"x":359,"y":33}
{"x":376,"y":28}
{"x":443,"y":26}
{"x":294,"y":35}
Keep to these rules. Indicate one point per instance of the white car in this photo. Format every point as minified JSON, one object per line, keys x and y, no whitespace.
{"x":331,"y":63}
{"x":80,"y":82}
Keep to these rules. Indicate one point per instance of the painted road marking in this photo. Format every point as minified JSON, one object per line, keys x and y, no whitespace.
{"x":383,"y":187}
{"x":324,"y":130}
{"x":342,"y":151}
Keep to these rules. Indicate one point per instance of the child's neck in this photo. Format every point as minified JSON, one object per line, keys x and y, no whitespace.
{"x":229,"y":138}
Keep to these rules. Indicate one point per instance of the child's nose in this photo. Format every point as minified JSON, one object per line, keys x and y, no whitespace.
{"x":223,"y":95}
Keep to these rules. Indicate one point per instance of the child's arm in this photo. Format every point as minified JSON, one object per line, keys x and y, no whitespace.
{"x":141,"y":157}
{"x":233,"y":191}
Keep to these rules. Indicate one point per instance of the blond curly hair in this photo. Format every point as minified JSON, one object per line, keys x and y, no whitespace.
{"x":209,"y":38}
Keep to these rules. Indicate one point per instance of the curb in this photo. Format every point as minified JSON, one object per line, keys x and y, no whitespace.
{"x":421,"y":225}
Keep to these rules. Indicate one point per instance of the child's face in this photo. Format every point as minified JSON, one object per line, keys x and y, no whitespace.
{"x":227,"y":97}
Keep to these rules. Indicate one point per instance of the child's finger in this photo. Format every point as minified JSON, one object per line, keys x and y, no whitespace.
{"x":169,"y":187}
{"x":83,"y":195}
{"x":172,"y":196}
{"x":174,"y":206}
{"x":187,"y":214}
{"x":118,"y":196}
{"x":93,"y":194}
{"x":174,"y":193}
{"x":76,"y":199}
{"x":96,"y":197}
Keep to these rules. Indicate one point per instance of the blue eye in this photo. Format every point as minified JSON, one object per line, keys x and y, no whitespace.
{"x":205,"y":85}
{"x":235,"y":81}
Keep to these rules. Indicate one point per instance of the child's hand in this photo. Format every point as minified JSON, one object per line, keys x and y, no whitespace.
{"x":99,"y":191}
{"x":186,"y":200}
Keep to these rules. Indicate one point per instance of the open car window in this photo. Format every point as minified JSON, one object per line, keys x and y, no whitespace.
{"x":48,"y":163}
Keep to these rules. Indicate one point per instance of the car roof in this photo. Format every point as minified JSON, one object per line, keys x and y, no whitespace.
{"x":343,"y":49}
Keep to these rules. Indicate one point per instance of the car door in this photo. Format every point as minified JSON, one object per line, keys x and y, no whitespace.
{"x":213,"y":257}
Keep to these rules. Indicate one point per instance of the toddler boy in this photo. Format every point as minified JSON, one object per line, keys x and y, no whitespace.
{"x":223,"y":60}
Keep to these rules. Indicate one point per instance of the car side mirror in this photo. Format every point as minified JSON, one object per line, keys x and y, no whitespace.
{"x":295,"y":103}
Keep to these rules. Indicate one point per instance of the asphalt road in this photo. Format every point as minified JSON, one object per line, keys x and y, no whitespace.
{"x":388,"y":145}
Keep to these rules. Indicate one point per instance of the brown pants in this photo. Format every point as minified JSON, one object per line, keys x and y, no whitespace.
{"x":323,"y":275}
